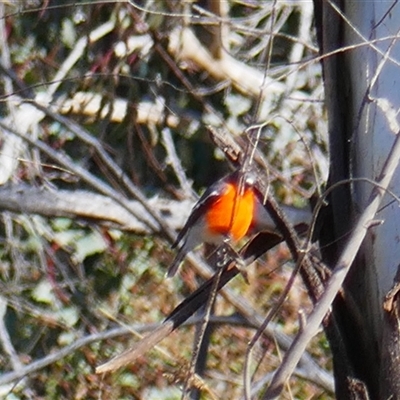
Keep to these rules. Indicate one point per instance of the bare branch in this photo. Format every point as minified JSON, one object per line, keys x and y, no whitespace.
{"x":91,"y":206}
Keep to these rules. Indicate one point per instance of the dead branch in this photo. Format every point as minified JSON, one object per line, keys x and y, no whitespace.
{"x":90,"y":206}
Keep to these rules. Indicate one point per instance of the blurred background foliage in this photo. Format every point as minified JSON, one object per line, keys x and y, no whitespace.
{"x":112,"y":69}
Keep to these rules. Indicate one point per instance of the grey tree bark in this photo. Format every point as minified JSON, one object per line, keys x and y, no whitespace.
{"x":362,"y":83}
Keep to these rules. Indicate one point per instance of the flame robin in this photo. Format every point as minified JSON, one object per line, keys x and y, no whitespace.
{"x":228,"y":209}
{"x":224,"y":212}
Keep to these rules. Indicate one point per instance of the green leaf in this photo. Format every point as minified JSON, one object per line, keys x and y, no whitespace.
{"x":68,"y":316}
{"x":43,"y":293}
{"x":88,"y":245}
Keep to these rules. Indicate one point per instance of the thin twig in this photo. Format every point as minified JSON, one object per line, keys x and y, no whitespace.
{"x":204,"y":324}
{"x":5,"y":338}
{"x":271,"y":314}
{"x":176,"y":163}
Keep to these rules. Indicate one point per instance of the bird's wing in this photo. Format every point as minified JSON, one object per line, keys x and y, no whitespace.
{"x":200,"y":208}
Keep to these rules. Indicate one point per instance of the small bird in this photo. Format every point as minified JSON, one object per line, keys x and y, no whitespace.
{"x":224,"y":212}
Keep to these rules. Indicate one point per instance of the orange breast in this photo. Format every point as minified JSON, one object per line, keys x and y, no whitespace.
{"x":232,"y":214}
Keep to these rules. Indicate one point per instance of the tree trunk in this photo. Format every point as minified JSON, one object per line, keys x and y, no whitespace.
{"x":363,"y":95}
